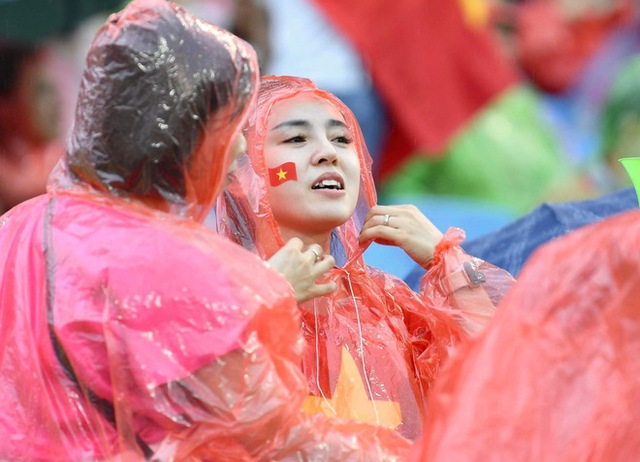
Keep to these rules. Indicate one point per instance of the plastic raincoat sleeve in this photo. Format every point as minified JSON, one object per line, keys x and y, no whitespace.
{"x":458,"y":299}
{"x":556,"y":375}
{"x":451,"y":308}
{"x":462,"y":286}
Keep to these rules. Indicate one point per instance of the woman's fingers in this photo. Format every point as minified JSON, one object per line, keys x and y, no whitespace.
{"x":382,"y":234}
{"x":404,"y":226}
{"x":294,"y":244}
{"x":323,"y":265}
{"x":302,"y":267}
{"x":314,"y":252}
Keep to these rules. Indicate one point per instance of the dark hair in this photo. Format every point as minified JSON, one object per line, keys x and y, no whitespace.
{"x":13,"y":57}
{"x":147,"y":91}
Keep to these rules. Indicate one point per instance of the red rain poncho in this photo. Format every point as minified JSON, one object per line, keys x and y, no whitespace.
{"x":373,"y":347}
{"x":556,"y":375}
{"x":126,"y":330}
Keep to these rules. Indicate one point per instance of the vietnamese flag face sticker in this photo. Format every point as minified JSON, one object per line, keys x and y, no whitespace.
{"x":282,"y":173}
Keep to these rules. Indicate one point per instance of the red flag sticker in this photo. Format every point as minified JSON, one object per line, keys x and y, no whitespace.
{"x":282,"y":173}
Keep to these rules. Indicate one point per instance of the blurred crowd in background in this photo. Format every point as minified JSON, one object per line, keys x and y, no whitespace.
{"x":477,"y":111}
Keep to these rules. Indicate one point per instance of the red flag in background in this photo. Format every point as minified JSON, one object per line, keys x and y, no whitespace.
{"x":433,"y":65}
{"x":282,"y":173}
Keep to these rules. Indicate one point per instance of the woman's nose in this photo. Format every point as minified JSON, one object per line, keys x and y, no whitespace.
{"x":326,"y":153}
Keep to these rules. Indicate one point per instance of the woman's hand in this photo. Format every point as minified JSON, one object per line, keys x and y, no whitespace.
{"x":302,"y":268}
{"x":404,"y":226}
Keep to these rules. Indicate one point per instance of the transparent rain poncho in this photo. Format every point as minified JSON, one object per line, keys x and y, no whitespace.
{"x":128,"y":331}
{"x":556,"y":375}
{"x":373,"y":348}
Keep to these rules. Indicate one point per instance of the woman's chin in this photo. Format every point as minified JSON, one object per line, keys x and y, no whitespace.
{"x":328,"y":223}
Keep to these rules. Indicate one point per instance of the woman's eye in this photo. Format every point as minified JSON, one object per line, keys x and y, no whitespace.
{"x":295,"y":139}
{"x":343,"y":140}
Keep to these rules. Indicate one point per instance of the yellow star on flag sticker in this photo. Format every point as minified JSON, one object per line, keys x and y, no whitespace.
{"x":282,"y":175}
{"x":351,"y":400}
{"x":475,"y":12}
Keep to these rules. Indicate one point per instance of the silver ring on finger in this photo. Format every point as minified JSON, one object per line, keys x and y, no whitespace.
{"x":315,"y":252}
{"x":385,"y":221}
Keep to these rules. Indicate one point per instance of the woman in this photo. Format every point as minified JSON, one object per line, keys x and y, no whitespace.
{"x":128,"y":330}
{"x":373,"y":347}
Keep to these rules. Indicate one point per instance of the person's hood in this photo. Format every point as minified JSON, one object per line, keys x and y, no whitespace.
{"x":244,"y":212}
{"x":159,"y":82}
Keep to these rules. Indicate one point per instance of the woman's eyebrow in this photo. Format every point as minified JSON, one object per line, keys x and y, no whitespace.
{"x":306,"y":124}
{"x":336,"y":123}
{"x":292,"y":123}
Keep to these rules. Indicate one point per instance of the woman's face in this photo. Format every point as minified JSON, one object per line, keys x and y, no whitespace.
{"x":314,"y":170}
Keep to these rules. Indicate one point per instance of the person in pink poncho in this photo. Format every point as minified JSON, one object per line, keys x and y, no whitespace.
{"x":129,"y":331}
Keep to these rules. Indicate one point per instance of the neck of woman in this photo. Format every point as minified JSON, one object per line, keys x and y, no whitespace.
{"x":323,"y":238}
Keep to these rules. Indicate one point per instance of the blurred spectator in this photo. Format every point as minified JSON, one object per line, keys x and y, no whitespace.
{"x":30,"y":115}
{"x":572,"y":51}
{"x":555,"y":38}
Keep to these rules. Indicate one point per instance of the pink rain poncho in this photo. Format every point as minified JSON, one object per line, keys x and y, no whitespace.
{"x":128,"y":331}
{"x":373,"y":347}
{"x":556,"y":375}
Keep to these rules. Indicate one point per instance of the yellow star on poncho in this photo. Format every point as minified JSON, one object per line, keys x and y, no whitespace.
{"x":351,"y":400}
{"x":475,"y":12}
